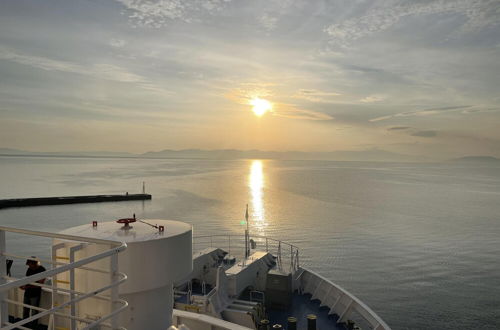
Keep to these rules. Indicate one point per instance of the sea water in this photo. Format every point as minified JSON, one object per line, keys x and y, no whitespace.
{"x":418,"y":243}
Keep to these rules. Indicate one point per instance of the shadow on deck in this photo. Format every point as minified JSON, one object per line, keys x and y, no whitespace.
{"x":301,"y":306}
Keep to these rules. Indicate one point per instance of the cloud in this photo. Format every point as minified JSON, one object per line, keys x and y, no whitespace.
{"x":413,"y":132}
{"x":117,"y":43}
{"x":268,"y":22}
{"x":157,"y":13}
{"x":478,"y":14}
{"x":291,"y":111}
{"x":274,"y":11}
{"x":39,"y":62}
{"x":372,"y":99}
{"x":314,"y":95}
{"x":398,"y":128}
{"x":477,"y":110}
{"x":425,"y":112}
{"x":248,"y":91}
{"x":102,"y":71}
{"x":425,"y":133}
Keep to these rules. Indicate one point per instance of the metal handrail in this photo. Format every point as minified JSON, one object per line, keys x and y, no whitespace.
{"x":67,"y":291}
{"x":116,"y":247}
{"x":354,"y":305}
{"x":61,"y":236}
{"x":251,"y":236}
{"x":61,"y":269}
{"x":47,"y":261}
{"x":294,"y":250}
{"x":53,"y":309}
{"x":123,"y":302}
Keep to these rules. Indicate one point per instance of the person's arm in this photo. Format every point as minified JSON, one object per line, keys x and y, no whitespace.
{"x":42,"y":269}
{"x":31,"y":286}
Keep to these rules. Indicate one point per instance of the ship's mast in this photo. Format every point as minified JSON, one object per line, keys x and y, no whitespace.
{"x":247,"y":236}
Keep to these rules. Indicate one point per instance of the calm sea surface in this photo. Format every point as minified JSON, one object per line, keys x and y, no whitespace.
{"x":419,"y":243}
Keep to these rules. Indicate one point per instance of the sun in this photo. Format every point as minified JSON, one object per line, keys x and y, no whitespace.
{"x":260,"y":106}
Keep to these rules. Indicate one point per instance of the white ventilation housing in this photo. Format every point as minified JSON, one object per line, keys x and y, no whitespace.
{"x":153,"y":261}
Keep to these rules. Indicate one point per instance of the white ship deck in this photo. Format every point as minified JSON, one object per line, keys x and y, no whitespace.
{"x":220,"y":293}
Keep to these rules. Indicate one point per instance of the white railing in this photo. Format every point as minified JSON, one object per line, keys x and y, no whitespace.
{"x":341,"y":302}
{"x":287,"y":255}
{"x":9,"y":283}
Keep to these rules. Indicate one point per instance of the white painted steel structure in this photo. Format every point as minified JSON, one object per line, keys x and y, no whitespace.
{"x":195,"y":321}
{"x":153,"y":261}
{"x":110,"y":249}
{"x":287,"y":255}
{"x":337,"y":299}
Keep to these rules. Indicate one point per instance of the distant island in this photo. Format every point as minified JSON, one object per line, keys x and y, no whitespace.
{"x":17,"y":152}
{"x":375,"y":154}
{"x":340,"y":155}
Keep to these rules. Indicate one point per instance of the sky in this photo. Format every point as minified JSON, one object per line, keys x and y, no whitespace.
{"x":420,"y":78}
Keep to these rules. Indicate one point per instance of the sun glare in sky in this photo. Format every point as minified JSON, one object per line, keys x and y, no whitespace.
{"x":260,"y":106}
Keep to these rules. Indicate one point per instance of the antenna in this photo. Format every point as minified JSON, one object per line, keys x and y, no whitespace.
{"x":143,"y":187}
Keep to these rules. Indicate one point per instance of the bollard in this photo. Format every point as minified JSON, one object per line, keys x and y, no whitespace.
{"x":292,"y":323}
{"x":264,"y":324}
{"x":277,"y":327}
{"x":311,"y":322}
{"x":351,"y":325}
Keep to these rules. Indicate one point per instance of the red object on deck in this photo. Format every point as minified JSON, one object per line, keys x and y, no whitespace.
{"x":126,"y":221}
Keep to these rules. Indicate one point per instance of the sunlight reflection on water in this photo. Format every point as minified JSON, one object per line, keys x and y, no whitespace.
{"x":256,"y":185}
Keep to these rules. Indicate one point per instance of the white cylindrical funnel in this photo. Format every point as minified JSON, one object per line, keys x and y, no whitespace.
{"x":153,"y":261}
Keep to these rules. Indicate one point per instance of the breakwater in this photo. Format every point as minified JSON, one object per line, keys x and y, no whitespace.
{"x":39,"y":201}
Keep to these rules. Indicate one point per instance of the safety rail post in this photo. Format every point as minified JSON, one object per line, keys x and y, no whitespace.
{"x":4,"y":313}
{"x":64,"y":305}
{"x":54,"y":301}
{"x":6,"y":284}
{"x":72,"y":295}
{"x":113,"y":269}
{"x":293,"y":260}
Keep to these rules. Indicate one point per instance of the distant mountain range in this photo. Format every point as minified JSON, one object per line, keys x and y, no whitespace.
{"x":341,"y":155}
{"x":345,"y":155}
{"x":17,"y":152}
